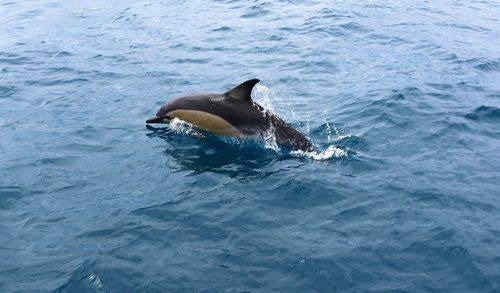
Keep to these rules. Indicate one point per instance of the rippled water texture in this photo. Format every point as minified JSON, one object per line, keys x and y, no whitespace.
{"x":401,"y":98}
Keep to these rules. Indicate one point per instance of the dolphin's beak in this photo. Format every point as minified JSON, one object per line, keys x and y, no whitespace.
{"x":156,"y":119}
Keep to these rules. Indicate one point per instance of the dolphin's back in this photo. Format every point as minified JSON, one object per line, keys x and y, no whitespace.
{"x":244,"y":115}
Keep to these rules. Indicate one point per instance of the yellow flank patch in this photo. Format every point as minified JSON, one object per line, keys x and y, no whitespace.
{"x":205,"y":121}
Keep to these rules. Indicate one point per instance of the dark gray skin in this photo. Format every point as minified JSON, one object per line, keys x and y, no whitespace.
{"x":237,"y":108}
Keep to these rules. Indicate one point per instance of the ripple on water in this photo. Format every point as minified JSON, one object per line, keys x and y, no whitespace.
{"x":256,"y":11}
{"x":222,"y":29}
{"x":352,"y":142}
{"x":353,"y":26}
{"x":300,"y":194}
{"x":192,"y":60}
{"x":118,"y":58}
{"x":484,"y":114}
{"x":161,"y":74}
{"x":14,"y":59}
{"x":396,"y":108}
{"x":83,"y":279}
{"x":454,"y":260}
{"x":9,"y":195}
{"x":56,"y":82}
{"x":7,"y":91}
{"x":489,"y":66}
{"x":399,"y":97}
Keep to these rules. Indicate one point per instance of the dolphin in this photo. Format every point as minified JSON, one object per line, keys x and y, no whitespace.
{"x":232,"y":113}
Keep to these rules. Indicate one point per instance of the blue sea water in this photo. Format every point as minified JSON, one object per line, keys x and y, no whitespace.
{"x":401,"y":99}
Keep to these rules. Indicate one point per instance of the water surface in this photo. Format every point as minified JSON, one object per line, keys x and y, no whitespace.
{"x":401,"y":100}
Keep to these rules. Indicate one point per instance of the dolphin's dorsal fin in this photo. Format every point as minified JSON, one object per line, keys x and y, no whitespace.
{"x":243,"y":91}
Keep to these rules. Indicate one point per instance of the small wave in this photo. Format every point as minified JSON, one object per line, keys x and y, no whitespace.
{"x":15,"y":60}
{"x":328,"y":13}
{"x":484,"y":113}
{"x":116,"y":58}
{"x":53,"y":82}
{"x":7,"y":91}
{"x":386,"y":40}
{"x":440,"y":86}
{"x":56,"y":161}
{"x":351,"y":141}
{"x":489,"y":66}
{"x":255,"y":11}
{"x":353,"y":26}
{"x":65,"y":69}
{"x":9,"y":195}
{"x":463,"y":27}
{"x":192,"y":60}
{"x":83,"y":279}
{"x":63,"y":54}
{"x":222,"y":29}
{"x":160,"y":74}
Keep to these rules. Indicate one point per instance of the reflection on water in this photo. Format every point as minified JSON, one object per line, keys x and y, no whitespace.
{"x":202,"y":152}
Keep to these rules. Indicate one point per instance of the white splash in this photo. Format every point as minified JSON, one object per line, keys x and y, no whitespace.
{"x":181,"y":127}
{"x":340,"y":137}
{"x":95,"y":281}
{"x":331,"y":152}
{"x":265,"y":97}
{"x":270,"y":140}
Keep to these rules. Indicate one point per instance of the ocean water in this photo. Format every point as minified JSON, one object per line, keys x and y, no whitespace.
{"x":401,"y":99}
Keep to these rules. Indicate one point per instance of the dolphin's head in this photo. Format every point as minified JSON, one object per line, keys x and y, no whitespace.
{"x":170,"y":110}
{"x":162,"y":115}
